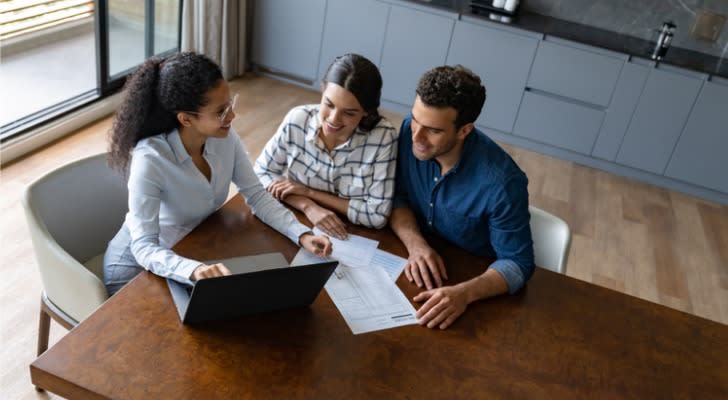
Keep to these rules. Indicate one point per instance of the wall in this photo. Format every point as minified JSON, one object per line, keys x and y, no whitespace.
{"x":638,"y":18}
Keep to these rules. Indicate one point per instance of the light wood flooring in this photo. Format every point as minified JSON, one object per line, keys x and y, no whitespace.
{"x":656,"y":244}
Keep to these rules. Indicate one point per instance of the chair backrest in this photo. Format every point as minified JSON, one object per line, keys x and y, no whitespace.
{"x":72,"y":213}
{"x":551,"y":240}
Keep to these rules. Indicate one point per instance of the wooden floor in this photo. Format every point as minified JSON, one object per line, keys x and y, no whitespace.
{"x":648,"y":242}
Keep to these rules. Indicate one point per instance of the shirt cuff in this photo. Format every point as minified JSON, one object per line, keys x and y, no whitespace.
{"x":511,"y":272}
{"x":296,"y":230}
{"x":184,"y":271}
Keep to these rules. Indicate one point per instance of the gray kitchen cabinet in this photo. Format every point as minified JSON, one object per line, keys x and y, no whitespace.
{"x":415,"y":42}
{"x":353,"y":26}
{"x":575,"y":71}
{"x":659,"y":118}
{"x":619,"y":113}
{"x":554,"y":121}
{"x":287,"y":36}
{"x":700,"y":155}
{"x":502,"y":60}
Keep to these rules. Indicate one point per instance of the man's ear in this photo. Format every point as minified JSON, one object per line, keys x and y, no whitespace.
{"x":184,"y":119}
{"x":465,"y":130}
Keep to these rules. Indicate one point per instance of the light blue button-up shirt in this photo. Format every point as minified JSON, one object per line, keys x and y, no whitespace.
{"x":169,"y":196}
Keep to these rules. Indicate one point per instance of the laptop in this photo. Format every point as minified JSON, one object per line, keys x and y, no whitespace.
{"x":258,"y":284}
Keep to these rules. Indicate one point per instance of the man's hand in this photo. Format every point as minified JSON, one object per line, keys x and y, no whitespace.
{"x":209,"y":271}
{"x":442,"y":306}
{"x":425,"y":267}
{"x":286,"y":187}
{"x":319,"y":245}
{"x":327,"y":221}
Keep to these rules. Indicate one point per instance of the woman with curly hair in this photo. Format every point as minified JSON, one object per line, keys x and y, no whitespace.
{"x":173,"y":134}
{"x":336,"y":157}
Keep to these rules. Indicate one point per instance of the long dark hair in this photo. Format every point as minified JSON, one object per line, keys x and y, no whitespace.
{"x":154,"y":94}
{"x":361,"y":77}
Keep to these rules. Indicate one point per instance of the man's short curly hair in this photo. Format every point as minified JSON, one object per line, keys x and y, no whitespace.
{"x":456,"y":87}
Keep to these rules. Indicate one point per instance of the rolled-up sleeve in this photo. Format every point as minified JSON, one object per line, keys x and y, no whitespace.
{"x":374,"y":209}
{"x":272,"y":163}
{"x":510,"y":233}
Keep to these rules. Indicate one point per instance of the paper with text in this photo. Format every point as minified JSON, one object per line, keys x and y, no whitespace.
{"x":367,"y":296}
{"x":355,"y":251}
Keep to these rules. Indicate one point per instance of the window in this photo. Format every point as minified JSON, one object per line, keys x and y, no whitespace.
{"x":58,"y":56}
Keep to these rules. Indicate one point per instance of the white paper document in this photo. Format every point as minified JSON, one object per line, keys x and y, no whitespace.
{"x":366,"y":295}
{"x":391,"y":264}
{"x":355,"y":251}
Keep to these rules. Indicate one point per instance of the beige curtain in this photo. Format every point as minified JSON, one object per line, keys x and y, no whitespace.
{"x":217,"y":28}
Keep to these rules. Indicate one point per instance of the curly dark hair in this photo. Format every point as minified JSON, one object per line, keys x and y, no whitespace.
{"x":361,"y":77}
{"x":154,"y":94}
{"x":456,"y":87}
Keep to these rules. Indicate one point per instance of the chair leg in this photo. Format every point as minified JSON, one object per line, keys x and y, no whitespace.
{"x":44,"y":329}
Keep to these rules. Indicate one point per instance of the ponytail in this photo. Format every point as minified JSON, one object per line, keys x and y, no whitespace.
{"x":154,"y":93}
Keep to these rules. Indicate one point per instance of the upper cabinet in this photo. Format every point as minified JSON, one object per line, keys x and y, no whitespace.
{"x":415,"y":42}
{"x":502,"y":60}
{"x":287,"y":36}
{"x":658,"y":119}
{"x":353,"y":26}
{"x":700,"y":156}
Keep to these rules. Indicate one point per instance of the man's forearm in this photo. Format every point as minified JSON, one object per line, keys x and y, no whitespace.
{"x":404,"y":225}
{"x":488,"y":284}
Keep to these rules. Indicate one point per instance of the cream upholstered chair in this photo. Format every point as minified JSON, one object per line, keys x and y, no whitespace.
{"x":72,"y":213}
{"x":551,"y":240}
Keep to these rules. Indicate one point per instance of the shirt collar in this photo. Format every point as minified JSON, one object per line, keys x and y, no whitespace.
{"x":175,"y":142}
{"x":178,"y":148}
{"x":314,"y":124}
{"x":468,"y":144}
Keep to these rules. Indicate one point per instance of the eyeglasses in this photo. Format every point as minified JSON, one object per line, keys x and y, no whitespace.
{"x":221,"y":115}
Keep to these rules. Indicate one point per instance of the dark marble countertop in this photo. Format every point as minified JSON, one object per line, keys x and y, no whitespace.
{"x":592,"y":36}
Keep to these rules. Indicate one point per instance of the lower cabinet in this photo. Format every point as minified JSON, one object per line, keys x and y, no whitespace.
{"x":658,"y":120}
{"x":287,"y":36}
{"x":558,"y":122}
{"x":415,"y":42}
{"x":502,"y":60}
{"x":700,"y":156}
{"x":353,"y":26}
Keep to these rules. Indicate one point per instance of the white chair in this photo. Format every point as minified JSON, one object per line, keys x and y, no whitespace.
{"x":551,"y":240}
{"x":72,"y":213}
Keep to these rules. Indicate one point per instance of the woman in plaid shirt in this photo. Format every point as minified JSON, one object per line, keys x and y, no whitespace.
{"x":337,"y":157}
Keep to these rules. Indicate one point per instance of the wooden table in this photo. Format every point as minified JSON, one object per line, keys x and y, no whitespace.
{"x":559,"y":338}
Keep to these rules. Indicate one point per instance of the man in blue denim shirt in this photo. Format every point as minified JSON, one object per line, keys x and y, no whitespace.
{"x":454,"y":182}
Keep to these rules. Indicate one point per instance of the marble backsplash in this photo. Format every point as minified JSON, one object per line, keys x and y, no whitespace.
{"x":638,"y":18}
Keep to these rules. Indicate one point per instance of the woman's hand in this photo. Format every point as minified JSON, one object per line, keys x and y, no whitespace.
{"x":286,"y":187}
{"x":327,"y":221}
{"x":319,"y":245}
{"x":209,"y":271}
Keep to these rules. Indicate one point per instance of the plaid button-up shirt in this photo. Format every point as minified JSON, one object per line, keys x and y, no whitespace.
{"x":361,"y":170}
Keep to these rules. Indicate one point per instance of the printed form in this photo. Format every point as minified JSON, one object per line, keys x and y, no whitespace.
{"x":366,"y":295}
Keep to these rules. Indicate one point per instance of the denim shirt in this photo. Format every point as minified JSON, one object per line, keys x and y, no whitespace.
{"x":480,"y":205}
